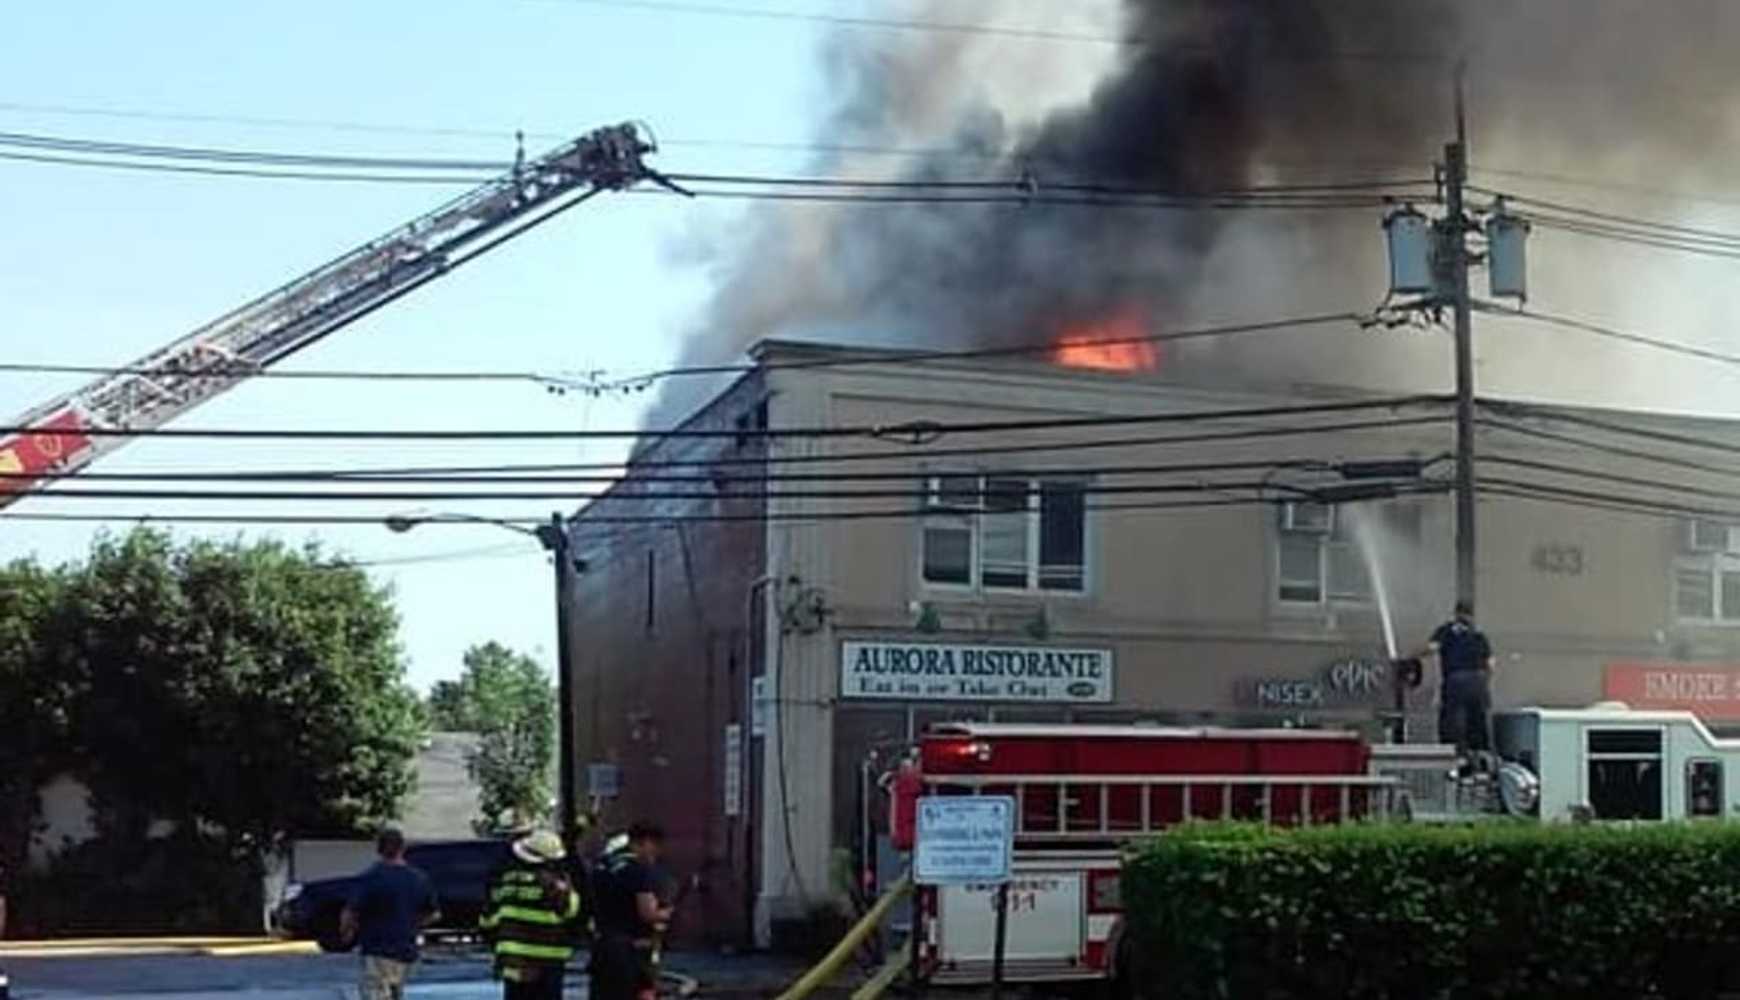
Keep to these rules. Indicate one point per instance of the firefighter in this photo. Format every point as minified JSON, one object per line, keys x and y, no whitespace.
{"x":631,"y":917}
{"x":1465,"y":666}
{"x":532,"y":919}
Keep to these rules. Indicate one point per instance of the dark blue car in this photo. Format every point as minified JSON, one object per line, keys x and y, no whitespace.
{"x":460,"y":869}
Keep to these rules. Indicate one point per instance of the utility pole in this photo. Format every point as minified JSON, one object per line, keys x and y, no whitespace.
{"x":554,"y":537}
{"x":1455,"y":245}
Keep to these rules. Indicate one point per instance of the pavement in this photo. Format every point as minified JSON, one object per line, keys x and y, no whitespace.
{"x":238,"y":969}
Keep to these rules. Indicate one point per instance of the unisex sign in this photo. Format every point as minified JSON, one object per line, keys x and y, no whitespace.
{"x":971,"y":672}
{"x":964,"y":839}
{"x":1710,"y":690}
{"x":1344,"y":682}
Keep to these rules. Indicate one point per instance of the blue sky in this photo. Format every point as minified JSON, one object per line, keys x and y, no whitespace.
{"x":97,"y":267}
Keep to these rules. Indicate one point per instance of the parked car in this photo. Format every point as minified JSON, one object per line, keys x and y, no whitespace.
{"x":460,"y":869}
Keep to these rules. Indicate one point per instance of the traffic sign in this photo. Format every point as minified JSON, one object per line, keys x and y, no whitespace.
{"x":964,"y":839}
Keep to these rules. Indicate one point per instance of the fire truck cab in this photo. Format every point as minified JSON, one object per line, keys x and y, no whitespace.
{"x":1081,"y":793}
{"x":1610,"y":762}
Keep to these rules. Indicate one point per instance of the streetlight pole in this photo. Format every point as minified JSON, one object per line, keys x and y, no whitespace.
{"x":553,"y":536}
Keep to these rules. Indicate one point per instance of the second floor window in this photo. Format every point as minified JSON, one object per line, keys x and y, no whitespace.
{"x":1706,"y":577}
{"x":1005,"y":533}
{"x":1317,"y":555}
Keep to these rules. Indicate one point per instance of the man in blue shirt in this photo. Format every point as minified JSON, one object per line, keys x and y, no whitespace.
{"x":390,"y":904}
{"x":1465,"y":665}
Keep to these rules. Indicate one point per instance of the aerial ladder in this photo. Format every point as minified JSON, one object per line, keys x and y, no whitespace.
{"x":68,"y":433}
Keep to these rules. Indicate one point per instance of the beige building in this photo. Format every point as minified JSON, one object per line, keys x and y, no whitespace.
{"x":1028,"y":541}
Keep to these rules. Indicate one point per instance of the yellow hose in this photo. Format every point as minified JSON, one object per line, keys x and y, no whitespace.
{"x":884,"y":976}
{"x":829,"y":966}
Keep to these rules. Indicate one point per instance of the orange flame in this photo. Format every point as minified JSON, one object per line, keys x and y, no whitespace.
{"x":1113,"y":345}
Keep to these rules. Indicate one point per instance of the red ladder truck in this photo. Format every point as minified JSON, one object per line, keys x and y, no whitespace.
{"x":66,"y":434}
{"x":1082,"y":792}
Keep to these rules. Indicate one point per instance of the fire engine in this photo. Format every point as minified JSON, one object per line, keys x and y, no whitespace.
{"x":1084,"y":792}
{"x":1081,"y":793}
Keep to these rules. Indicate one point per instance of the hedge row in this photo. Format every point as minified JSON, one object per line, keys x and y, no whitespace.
{"x":1413,"y":911}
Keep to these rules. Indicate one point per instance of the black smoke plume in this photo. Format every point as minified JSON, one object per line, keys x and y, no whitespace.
{"x":1205,"y":96}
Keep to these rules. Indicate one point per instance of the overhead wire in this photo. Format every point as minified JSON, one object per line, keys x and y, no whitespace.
{"x":1609,"y":449}
{"x":1611,"y":333}
{"x":636,"y":467}
{"x":721,"y":480}
{"x":597,"y":383}
{"x":921,"y":430}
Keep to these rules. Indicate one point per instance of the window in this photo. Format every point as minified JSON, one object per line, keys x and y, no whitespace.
{"x":1625,"y":773}
{"x":1707,"y":589}
{"x":1703,"y":788}
{"x":1318,"y":559}
{"x":1005,"y":533}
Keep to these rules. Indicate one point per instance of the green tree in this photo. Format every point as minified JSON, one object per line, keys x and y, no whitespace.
{"x":249,"y":688}
{"x":507,"y":699}
{"x":33,"y":704}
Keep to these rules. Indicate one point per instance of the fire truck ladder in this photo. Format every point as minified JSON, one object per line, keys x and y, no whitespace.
{"x":173,"y":380}
{"x":1063,"y":808}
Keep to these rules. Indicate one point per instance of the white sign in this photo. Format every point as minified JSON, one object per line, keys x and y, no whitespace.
{"x":604,"y":781}
{"x":1045,"y":919}
{"x":758,"y":706}
{"x":733,"y":770}
{"x":964,"y":839}
{"x":971,"y":672}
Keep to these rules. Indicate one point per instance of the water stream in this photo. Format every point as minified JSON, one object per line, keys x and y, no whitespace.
{"x":1359,"y":518}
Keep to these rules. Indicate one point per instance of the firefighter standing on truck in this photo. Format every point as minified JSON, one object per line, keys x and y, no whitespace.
{"x":1465,"y":665}
{"x":532,"y":919}
{"x":630,"y":920}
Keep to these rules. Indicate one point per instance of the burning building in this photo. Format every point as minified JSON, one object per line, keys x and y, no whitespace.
{"x":855,"y":539}
{"x":847,"y":545}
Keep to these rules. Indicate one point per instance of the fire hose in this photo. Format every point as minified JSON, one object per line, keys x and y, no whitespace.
{"x":830,"y":965}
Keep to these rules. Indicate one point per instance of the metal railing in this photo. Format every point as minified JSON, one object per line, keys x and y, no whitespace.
{"x":1057,"y":807}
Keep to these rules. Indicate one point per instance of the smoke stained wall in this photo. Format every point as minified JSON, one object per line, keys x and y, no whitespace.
{"x":1207,"y":95}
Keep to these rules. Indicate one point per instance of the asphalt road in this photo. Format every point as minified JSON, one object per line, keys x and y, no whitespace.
{"x":441,"y":976}
{"x":255,"y":977}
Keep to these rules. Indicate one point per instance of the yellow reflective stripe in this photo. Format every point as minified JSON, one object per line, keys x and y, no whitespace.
{"x":526,"y":914}
{"x":518,"y":892}
{"x":572,"y":910}
{"x":520,"y":949}
{"x":489,"y":920}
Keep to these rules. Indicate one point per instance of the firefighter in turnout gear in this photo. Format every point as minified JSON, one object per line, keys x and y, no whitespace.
{"x":532,"y":919}
{"x":631,"y":918}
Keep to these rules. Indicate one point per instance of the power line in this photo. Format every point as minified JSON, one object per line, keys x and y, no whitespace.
{"x":593,"y":384}
{"x":1398,"y":56}
{"x":831,"y":190}
{"x":921,"y":431}
{"x":637,"y":496}
{"x":1674,"y":347}
{"x":653,"y":519}
{"x":455,"y":555}
{"x":1596,"y":423}
{"x":1626,"y":221}
{"x":1633,"y":238}
{"x":976,"y":353}
{"x":387,"y":474}
{"x":1602,"y":500}
{"x":723,"y":481}
{"x":223,"y":371}
{"x":509,"y":133}
{"x":1610,"y":449}
{"x":182,"y":168}
{"x":67,"y":144}
{"x":1571,"y":180}
{"x":1610,"y":477}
